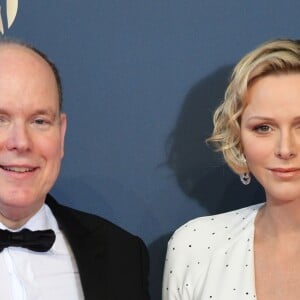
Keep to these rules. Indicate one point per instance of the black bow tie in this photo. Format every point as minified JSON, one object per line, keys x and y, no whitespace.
{"x":40,"y":240}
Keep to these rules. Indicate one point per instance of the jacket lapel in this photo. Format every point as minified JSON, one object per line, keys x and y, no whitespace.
{"x":88,"y":245}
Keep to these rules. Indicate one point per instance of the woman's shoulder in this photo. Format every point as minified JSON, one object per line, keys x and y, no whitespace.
{"x":215,"y":228}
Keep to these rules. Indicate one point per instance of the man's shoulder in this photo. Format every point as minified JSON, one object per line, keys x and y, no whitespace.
{"x":99,"y":247}
{"x":68,"y":217}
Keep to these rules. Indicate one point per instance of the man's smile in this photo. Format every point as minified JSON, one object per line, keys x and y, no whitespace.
{"x":18,"y":169}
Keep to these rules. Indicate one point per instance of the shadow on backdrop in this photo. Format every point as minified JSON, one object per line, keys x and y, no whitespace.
{"x":200,"y":172}
{"x":157,"y":253}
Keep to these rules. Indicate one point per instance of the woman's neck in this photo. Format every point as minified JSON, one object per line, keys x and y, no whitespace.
{"x":279,"y":218}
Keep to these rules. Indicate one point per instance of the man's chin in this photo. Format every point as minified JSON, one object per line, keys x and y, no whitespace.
{"x":18,"y":209}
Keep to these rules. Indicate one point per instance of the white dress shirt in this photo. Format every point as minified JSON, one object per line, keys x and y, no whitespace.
{"x":29,"y":275}
{"x":212,"y":258}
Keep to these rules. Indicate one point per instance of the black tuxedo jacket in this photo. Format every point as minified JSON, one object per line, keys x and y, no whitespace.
{"x":113,"y":264}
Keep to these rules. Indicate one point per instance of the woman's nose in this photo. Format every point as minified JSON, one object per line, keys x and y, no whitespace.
{"x":286,"y":147}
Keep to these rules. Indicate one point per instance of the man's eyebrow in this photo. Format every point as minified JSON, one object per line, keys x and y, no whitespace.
{"x":3,"y":111}
{"x":42,"y":111}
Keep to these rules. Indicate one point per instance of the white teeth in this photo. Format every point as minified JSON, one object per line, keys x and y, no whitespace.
{"x":18,"y":169}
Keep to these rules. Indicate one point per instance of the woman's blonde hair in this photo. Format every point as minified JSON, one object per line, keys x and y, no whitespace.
{"x":273,"y":57}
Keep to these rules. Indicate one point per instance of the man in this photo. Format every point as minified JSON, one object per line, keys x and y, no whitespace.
{"x":89,"y":257}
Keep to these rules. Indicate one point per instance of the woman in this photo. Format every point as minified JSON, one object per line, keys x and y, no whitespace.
{"x":254,"y":252}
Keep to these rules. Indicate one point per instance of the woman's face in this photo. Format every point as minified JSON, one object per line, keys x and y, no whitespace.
{"x":270,"y":135}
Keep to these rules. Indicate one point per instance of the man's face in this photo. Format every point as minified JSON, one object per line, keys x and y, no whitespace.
{"x":31,"y":132}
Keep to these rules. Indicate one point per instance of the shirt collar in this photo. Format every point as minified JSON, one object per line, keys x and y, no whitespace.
{"x":43,"y":219}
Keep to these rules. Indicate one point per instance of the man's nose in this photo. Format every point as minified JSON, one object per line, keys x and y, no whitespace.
{"x":18,"y":137}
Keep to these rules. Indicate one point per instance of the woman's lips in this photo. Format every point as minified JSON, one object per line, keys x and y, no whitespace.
{"x":285,"y":172}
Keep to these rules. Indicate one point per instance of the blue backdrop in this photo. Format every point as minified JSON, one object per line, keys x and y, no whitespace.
{"x":141,"y":79}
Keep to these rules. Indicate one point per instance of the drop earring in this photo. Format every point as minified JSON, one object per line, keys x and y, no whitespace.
{"x":245,"y":178}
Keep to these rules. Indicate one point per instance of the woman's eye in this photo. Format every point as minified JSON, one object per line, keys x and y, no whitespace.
{"x":262,"y":128}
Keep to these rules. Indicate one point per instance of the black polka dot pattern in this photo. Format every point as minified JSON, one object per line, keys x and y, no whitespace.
{"x":212,"y":258}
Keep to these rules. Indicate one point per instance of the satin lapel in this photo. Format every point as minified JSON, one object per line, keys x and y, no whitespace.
{"x":88,"y":246}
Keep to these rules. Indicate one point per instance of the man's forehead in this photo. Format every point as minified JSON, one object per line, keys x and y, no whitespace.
{"x":22,"y":68}
{"x":20,"y":61}
{"x":15,"y":52}
{"x":24,"y":60}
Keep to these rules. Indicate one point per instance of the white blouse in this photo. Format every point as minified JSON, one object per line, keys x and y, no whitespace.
{"x":212,"y":258}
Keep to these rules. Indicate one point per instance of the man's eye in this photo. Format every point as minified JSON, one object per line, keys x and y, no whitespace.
{"x":4,"y":120}
{"x":40,"y":121}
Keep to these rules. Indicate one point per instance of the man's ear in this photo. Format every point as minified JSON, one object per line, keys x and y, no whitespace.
{"x":63,"y":129}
